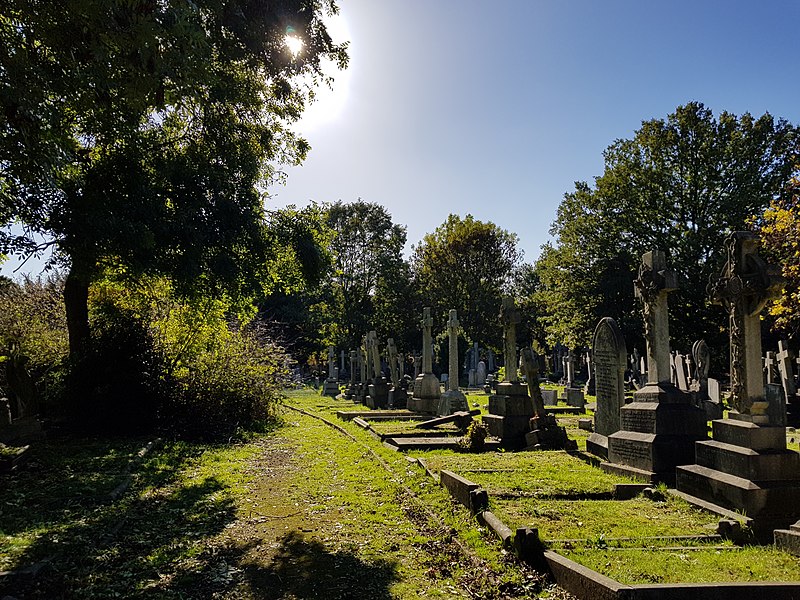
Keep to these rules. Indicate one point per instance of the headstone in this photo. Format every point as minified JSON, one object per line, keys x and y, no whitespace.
{"x":785,"y":369}
{"x":682,"y":374}
{"x":350,"y":390}
{"x":378,"y":388}
{"x":610,"y":359}
{"x":397,"y":395}
{"x":331,"y":385}
{"x":705,"y":390}
{"x":545,"y":433}
{"x":480,"y":374}
{"x":510,"y":408}
{"x":472,"y":378}
{"x":659,"y":428}
{"x":341,"y":356}
{"x":746,"y":467}
{"x":569,"y":367}
{"x":426,"y":385}
{"x":453,"y":400}
{"x":589,"y":387}
{"x":769,"y":368}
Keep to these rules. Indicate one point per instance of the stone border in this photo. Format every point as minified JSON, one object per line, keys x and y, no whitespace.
{"x":585,"y":583}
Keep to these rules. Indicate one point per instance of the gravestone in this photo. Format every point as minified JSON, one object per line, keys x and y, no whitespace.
{"x":659,"y":428}
{"x":681,"y":372}
{"x":453,"y":400}
{"x":349,"y":391}
{"x":331,"y":385}
{"x":426,"y":386}
{"x":610,"y":358}
{"x":589,"y":387}
{"x":769,"y":367}
{"x":704,"y":390}
{"x":378,"y":389}
{"x":480,"y":375}
{"x":397,"y":395}
{"x":545,"y":432}
{"x":784,"y":360}
{"x":746,"y":466}
{"x":510,"y":408}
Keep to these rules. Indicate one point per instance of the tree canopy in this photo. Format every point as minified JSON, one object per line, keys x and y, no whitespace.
{"x":142,"y":133}
{"x":679,"y":185}
{"x":467,"y":264}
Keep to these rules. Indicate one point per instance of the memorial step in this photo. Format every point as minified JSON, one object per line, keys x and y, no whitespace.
{"x":747,"y":463}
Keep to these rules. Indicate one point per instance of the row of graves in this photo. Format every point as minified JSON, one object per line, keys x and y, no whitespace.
{"x":650,"y":456}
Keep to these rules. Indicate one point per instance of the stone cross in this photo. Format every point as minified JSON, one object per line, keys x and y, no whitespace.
{"x":363,"y":358}
{"x":376,"y":355}
{"x":785,"y":369}
{"x":744,"y":287}
{"x":702,"y":361}
{"x":569,"y":366}
{"x":331,"y":363}
{"x":452,"y":331}
{"x":769,"y":367}
{"x":427,"y":341}
{"x":391,"y":350}
{"x":653,"y":284}
{"x":353,"y":366}
{"x":510,"y":318}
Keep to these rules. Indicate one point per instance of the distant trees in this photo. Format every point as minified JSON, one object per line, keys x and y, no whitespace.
{"x":467,"y":264}
{"x":680,"y":184}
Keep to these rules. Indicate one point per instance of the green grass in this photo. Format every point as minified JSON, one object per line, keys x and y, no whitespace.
{"x":406,"y":427}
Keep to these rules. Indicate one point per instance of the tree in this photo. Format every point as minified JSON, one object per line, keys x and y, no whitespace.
{"x":367,"y":254}
{"x":141,"y":133}
{"x":779,"y":230}
{"x":680,"y":185}
{"x":467,"y":264}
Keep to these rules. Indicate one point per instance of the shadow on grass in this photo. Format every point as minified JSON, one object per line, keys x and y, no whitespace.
{"x":307,"y":569}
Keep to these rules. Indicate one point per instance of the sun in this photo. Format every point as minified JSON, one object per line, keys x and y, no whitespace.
{"x":294,"y":44}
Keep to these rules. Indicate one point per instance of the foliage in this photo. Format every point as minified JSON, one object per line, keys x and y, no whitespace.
{"x":475,"y":436}
{"x":210,"y":369}
{"x":779,"y":230}
{"x":467,"y":264}
{"x":33,"y":330}
{"x":142,"y":133}
{"x":680,"y":184}
{"x":367,"y":249}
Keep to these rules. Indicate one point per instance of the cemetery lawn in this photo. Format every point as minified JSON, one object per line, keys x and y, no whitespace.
{"x":300,"y":511}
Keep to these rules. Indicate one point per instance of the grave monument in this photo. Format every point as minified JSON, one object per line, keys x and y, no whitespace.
{"x":453,"y":400}
{"x":378,"y":389}
{"x":610,"y":359}
{"x":426,"y":386}
{"x":659,"y":428}
{"x":510,"y":408}
{"x":331,"y":385}
{"x":746,"y":467}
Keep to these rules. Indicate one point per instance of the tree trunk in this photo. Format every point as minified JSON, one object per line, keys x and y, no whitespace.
{"x":76,"y":303}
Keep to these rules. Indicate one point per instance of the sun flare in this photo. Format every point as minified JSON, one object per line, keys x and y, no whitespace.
{"x":294,"y":44}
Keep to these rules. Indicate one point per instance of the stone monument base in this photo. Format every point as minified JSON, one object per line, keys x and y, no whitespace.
{"x":330,"y":388}
{"x":378,"y":397}
{"x":788,"y":539}
{"x":746,"y":467}
{"x":398,"y":398}
{"x":597,"y":444}
{"x":658,"y":431}
{"x":426,"y":395}
{"x":510,"y":411}
{"x":452,"y":401}
{"x":547,"y":434}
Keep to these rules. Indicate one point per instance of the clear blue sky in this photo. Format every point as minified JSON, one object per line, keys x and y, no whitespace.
{"x":496,"y":107}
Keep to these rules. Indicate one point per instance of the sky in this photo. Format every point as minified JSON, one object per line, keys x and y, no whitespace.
{"x":495,"y":108}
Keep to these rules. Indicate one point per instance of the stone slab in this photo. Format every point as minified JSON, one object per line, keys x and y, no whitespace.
{"x":597,"y":444}
{"x":550,"y":396}
{"x":651,"y":452}
{"x":511,"y":429}
{"x":749,"y":435}
{"x":433,"y":443}
{"x":747,"y":463}
{"x":788,"y":539}
{"x":459,"y":487}
{"x":428,"y":406}
{"x":347,"y":415}
{"x":510,"y":406}
{"x":670,"y":419}
{"x":459,"y":418}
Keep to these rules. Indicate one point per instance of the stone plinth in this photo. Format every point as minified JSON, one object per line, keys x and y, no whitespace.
{"x":658,"y":431}
{"x":510,"y":412}
{"x":378,"y":393}
{"x":426,"y":395}
{"x":746,"y":467}
{"x":452,"y":401}
{"x":788,"y":539}
{"x":398,"y":397}
{"x":330,"y":388}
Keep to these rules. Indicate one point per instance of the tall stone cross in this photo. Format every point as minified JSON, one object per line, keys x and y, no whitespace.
{"x":353,"y":366}
{"x":786,"y":371}
{"x":653,"y":284}
{"x":391,"y":351}
{"x":376,"y":355}
{"x":452,"y":331}
{"x":744,"y":287}
{"x":510,"y":318}
{"x":427,"y":341}
{"x":363,"y":357}
{"x":331,"y":363}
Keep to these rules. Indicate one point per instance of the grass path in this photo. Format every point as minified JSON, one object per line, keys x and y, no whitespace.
{"x":302,"y":512}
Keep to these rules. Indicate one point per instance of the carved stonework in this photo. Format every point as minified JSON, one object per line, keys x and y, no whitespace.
{"x":510,"y":318}
{"x":744,"y":287}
